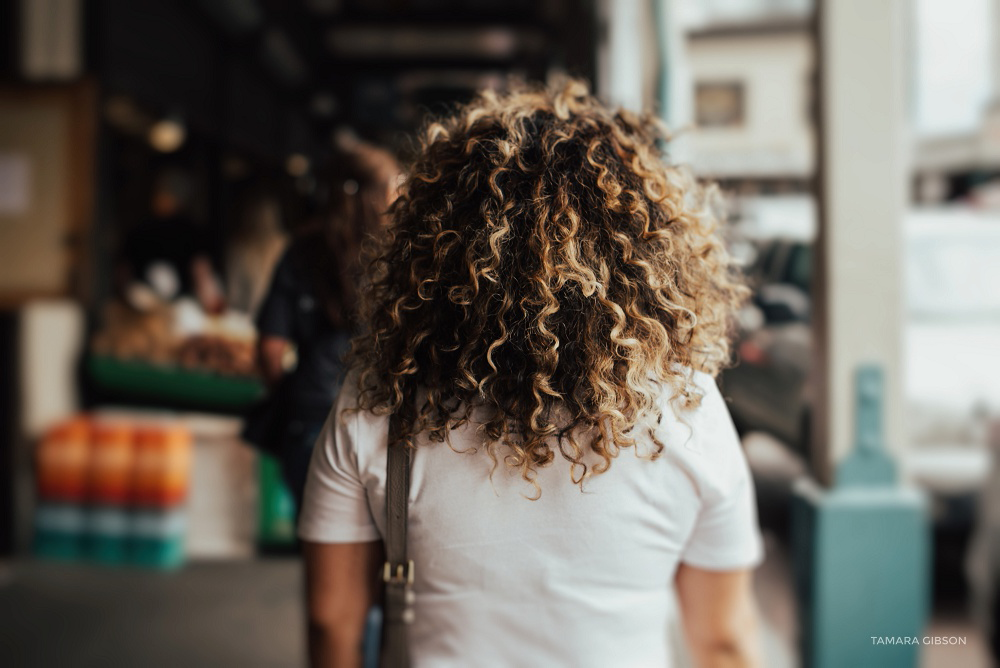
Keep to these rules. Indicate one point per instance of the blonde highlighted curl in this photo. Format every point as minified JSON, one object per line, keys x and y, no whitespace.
{"x":544,"y":266}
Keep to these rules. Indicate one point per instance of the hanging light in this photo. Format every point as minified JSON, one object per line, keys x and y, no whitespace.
{"x":167,"y":135}
{"x":297,"y":165}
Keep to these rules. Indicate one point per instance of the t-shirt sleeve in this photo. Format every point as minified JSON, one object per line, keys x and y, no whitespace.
{"x":335,"y":506}
{"x":726,"y":535}
{"x":277,"y":312}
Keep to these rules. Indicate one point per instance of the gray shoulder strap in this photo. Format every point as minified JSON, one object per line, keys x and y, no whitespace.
{"x":398,"y":570}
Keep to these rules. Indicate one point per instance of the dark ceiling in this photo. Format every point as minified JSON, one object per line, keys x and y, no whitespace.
{"x":275,"y":76}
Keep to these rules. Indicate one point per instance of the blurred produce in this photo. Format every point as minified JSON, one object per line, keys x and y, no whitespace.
{"x":215,"y":353}
{"x":128,"y":333}
{"x":179,"y":334}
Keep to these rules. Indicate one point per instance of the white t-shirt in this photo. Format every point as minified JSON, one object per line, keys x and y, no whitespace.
{"x":575,"y":578}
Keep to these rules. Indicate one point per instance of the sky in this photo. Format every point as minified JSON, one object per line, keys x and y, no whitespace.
{"x":952,"y":65}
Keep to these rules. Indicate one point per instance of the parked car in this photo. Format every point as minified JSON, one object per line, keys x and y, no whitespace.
{"x":951,"y":333}
{"x":768,"y":390}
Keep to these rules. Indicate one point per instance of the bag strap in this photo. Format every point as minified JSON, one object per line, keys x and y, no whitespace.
{"x":397,"y":573}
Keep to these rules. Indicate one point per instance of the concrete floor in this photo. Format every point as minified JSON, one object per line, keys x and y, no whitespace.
{"x":221,"y":614}
{"x":974,"y":654}
{"x":211,"y":614}
{"x":248,"y":614}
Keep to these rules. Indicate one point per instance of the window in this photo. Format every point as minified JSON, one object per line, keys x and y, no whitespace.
{"x":719,"y":104}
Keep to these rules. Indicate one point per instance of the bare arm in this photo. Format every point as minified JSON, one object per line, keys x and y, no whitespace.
{"x":271,"y":357}
{"x":341,"y":586}
{"x":720,"y":617}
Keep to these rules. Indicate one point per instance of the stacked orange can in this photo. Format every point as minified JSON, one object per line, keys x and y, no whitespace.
{"x":162,"y":465}
{"x":64,"y":461}
{"x":162,"y":472}
{"x":113,"y":490}
{"x":111,"y":463}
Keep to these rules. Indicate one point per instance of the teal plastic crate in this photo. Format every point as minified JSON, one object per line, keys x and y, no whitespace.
{"x":276,"y":518}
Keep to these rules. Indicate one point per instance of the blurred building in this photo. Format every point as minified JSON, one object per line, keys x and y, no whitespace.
{"x":753,"y":88}
{"x":753,"y":79}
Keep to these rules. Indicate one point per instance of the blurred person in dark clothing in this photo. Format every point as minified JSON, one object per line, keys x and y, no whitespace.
{"x":167,"y":255}
{"x":310,"y":304}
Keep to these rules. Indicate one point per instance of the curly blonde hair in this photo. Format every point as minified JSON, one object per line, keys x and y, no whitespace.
{"x":544,"y":264}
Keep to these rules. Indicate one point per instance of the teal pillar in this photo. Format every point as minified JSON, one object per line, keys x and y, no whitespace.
{"x":861,"y":554}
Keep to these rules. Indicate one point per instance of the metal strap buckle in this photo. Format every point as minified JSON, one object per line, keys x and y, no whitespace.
{"x":403,"y":573}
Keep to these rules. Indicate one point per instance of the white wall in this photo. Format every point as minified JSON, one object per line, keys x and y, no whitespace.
{"x":775,"y":138}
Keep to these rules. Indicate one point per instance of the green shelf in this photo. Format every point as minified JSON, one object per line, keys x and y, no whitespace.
{"x":172,"y":385}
